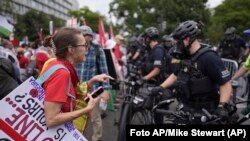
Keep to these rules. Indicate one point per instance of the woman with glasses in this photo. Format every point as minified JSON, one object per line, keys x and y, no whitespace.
{"x":70,"y":48}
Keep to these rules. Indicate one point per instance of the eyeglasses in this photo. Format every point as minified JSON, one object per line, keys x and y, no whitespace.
{"x":84,"y":45}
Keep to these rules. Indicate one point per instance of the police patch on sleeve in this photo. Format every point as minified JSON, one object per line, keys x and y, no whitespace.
{"x":157,"y":62}
{"x":175,"y":61}
{"x":225,"y":73}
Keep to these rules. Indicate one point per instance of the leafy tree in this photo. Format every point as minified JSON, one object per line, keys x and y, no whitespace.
{"x":6,"y":7}
{"x":229,"y":13}
{"x":31,"y":23}
{"x":90,"y":17}
{"x":156,"y":13}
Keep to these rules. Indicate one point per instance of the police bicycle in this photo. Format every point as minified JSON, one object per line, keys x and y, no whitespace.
{"x":203,"y":116}
{"x":144,"y":103}
{"x":126,"y":108}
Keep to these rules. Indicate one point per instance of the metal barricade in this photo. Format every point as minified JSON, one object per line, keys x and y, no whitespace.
{"x":231,"y":65}
{"x":240,"y":92}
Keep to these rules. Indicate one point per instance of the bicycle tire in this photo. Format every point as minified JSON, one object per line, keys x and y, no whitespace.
{"x":123,"y":122}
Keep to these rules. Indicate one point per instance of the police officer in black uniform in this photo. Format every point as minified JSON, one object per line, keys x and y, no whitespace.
{"x":155,"y":63}
{"x":169,"y":45}
{"x":168,"y":42}
{"x":232,"y":46}
{"x":133,"y":48}
{"x":202,"y":73}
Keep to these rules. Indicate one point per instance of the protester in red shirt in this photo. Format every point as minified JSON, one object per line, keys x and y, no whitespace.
{"x":70,"y":48}
{"x":23,"y":61}
{"x":116,"y":49}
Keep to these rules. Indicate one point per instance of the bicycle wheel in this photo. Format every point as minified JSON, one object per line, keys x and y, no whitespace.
{"x":124,"y":118}
{"x":141,"y":117}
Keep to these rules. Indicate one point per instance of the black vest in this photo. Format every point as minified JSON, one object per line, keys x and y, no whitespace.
{"x":191,"y":82}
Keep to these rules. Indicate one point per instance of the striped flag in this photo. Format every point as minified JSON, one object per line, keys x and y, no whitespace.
{"x":5,"y":27}
{"x":101,"y":32}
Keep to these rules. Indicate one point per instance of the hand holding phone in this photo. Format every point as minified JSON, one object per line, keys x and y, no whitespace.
{"x":95,"y":93}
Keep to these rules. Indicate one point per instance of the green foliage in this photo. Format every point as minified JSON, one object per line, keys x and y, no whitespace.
{"x":31,"y":23}
{"x":5,"y":7}
{"x":155,"y":12}
{"x":229,"y":13}
{"x":90,"y":17}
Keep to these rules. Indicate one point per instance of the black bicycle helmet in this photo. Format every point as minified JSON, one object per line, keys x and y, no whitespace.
{"x":167,"y":38}
{"x":186,"y":29}
{"x":151,"y":32}
{"x":230,"y":30}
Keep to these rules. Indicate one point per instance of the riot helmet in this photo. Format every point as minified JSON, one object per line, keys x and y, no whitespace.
{"x":230,"y":33}
{"x":168,"y":41}
{"x":132,"y":41}
{"x":150,"y":33}
{"x":186,"y":29}
{"x":189,"y":29}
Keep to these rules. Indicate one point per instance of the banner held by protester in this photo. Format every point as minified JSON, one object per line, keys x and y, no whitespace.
{"x":23,"y":117}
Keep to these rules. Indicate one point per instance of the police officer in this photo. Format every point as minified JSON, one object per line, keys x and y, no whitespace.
{"x":169,"y":45}
{"x":201,"y":78}
{"x":132,"y":49}
{"x":232,"y":46}
{"x":168,"y":42}
{"x":154,"y":64}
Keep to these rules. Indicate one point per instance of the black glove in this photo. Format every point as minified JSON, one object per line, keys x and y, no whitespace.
{"x":222,"y":111}
{"x":157,"y":90}
{"x":140,"y":81}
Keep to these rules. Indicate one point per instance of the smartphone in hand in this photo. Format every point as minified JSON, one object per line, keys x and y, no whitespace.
{"x":95,"y":93}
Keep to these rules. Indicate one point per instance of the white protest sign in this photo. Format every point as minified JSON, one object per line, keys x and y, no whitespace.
{"x":22,"y":117}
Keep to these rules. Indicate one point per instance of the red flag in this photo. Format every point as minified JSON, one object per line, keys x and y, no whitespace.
{"x":41,"y":35}
{"x":111,"y":33}
{"x":101,"y":32}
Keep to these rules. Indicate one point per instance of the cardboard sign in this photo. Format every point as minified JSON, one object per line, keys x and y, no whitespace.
{"x":111,"y":67}
{"x":109,"y":60}
{"x":22,"y":117}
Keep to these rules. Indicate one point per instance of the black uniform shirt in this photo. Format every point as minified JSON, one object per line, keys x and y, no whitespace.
{"x":212,"y":66}
{"x":156,"y":57}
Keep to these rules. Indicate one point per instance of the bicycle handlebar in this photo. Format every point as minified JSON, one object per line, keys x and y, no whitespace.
{"x":206,"y":117}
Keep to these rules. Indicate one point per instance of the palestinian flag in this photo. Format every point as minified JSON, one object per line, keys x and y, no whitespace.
{"x":5,"y":28}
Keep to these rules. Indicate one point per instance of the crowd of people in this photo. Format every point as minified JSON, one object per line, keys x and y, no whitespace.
{"x":174,"y":60}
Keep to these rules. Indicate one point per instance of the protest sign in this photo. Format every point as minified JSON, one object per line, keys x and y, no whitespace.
{"x":22,"y":117}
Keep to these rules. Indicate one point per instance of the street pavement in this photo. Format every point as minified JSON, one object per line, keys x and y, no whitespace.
{"x":110,"y":128}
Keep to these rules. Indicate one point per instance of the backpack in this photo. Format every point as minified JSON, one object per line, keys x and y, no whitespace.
{"x":80,"y":122}
{"x":42,"y":78}
{"x":8,"y":78}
